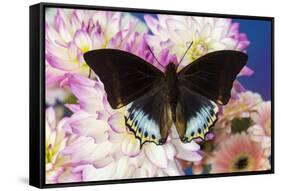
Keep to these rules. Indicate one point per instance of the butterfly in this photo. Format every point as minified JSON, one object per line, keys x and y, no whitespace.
{"x":156,"y":100}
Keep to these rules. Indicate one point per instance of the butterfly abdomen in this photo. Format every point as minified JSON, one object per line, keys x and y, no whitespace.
{"x":171,"y":87}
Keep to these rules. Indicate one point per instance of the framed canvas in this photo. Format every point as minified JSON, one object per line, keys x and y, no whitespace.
{"x":129,"y":95}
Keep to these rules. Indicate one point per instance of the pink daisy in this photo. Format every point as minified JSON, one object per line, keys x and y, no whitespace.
{"x":239,"y":154}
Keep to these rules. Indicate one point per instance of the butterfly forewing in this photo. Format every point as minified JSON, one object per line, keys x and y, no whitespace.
{"x":213,"y":75}
{"x":125,"y":76}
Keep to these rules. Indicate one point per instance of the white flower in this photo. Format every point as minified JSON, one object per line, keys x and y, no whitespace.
{"x":207,"y":34}
{"x":56,"y":140}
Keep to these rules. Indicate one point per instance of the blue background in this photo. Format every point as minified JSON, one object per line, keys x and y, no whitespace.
{"x":259,"y":52}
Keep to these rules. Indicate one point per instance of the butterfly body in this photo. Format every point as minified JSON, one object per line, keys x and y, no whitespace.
{"x":171,"y":87}
{"x":154,"y":100}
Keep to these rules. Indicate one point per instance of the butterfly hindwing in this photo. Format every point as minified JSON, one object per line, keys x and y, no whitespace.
{"x":213,"y":74}
{"x":125,"y":76}
{"x":195,"y":114}
{"x":149,"y":118}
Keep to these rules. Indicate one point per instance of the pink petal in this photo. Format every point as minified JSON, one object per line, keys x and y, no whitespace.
{"x":60,"y":63}
{"x":152,"y":23}
{"x":246,"y":71}
{"x":83,"y":41}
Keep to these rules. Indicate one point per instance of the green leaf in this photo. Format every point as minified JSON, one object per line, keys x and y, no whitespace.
{"x":71,"y":99}
{"x":239,"y":125}
{"x":206,"y":169}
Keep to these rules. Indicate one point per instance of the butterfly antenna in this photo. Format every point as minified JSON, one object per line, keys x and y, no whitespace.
{"x":90,"y":73}
{"x":186,"y":51}
{"x":152,"y":54}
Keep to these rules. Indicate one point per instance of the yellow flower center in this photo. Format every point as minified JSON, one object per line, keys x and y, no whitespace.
{"x":198,"y":49}
{"x":242,"y":162}
{"x":49,"y":154}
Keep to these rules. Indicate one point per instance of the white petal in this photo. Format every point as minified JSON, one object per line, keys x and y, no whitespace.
{"x":172,"y":169}
{"x":141,"y":173}
{"x":130,"y":146}
{"x":51,"y":118}
{"x":90,"y":173}
{"x":101,"y":151}
{"x":192,"y":146}
{"x":91,"y":127}
{"x":103,"y":162}
{"x":217,"y":46}
{"x":83,"y":41}
{"x":229,"y":42}
{"x":81,"y":149}
{"x":170,"y":151}
{"x":156,"y":155}
{"x":216,"y":34}
{"x":122,"y":168}
{"x":117,"y":122}
{"x":206,"y":31}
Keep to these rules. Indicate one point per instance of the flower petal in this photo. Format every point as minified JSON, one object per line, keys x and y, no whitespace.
{"x":156,"y":155}
{"x":130,"y":145}
{"x":90,"y":173}
{"x":117,"y":122}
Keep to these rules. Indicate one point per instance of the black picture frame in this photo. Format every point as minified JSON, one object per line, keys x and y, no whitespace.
{"x":37,"y":94}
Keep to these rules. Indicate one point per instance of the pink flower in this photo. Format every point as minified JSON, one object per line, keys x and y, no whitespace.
{"x":71,"y":33}
{"x":105,"y":145}
{"x":261,"y":131}
{"x":239,"y":154}
{"x":242,"y":106}
{"x":262,"y":116}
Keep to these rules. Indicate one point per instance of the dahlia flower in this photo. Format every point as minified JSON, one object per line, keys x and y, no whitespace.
{"x":239,"y":154}
{"x":106,"y":146}
{"x":207,"y":35}
{"x":261,"y":131}
{"x":71,"y":33}
{"x":241,"y":107}
{"x":56,"y":140}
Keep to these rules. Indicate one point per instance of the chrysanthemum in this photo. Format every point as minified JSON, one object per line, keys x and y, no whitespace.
{"x":56,"y":140}
{"x":105,"y":144}
{"x":261,"y":131}
{"x":71,"y":33}
{"x":207,"y":35}
{"x":262,"y":116}
{"x":239,"y":154}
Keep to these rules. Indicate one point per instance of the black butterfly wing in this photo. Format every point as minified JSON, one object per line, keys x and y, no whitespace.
{"x":213,"y":75}
{"x":149,"y":118}
{"x":195,"y":114}
{"x":125,"y":76}
{"x":203,"y":83}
